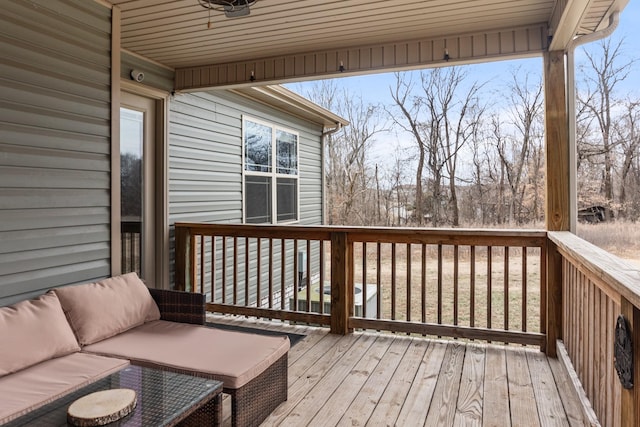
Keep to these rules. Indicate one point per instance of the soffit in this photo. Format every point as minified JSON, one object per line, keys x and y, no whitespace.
{"x":175,"y":33}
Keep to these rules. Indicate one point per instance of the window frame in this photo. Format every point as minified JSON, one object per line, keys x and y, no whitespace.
{"x":273,"y":174}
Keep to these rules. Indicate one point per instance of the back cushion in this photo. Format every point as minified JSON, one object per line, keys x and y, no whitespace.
{"x":100,"y":310}
{"x":34,"y":331}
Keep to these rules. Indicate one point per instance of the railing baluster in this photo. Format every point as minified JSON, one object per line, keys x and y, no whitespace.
{"x":270,"y":272}
{"x":259,"y":272}
{"x":408,"y":295}
{"x":364,"y":279}
{"x":472,"y":286}
{"x":247,"y":244}
{"x":213,"y":268}
{"x":439,"y":284}
{"x":423,"y":284}
{"x":283,"y":272}
{"x":235,"y":270}
{"x":308,"y":262}
{"x":379,"y":281}
{"x":455,"y":284}
{"x":321,"y":287}
{"x":506,"y":288}
{"x":296,"y":276}
{"x":393,"y":281}
{"x":308,"y":278}
{"x":224,"y":269}
{"x":524,"y":289}
{"x":202,"y":259}
{"x":489,"y":268}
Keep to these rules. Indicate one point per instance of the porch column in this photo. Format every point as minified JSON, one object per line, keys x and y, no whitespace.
{"x":558,"y":185}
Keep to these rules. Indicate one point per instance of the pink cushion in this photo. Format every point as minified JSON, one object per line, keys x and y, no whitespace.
{"x":38,"y":385}
{"x":33,"y":331}
{"x":103,"y":309}
{"x":234,"y":358}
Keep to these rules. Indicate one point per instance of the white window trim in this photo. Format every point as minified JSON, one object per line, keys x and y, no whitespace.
{"x":273,"y":174}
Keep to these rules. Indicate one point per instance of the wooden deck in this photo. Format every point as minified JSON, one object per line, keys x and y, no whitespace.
{"x":370,"y":378}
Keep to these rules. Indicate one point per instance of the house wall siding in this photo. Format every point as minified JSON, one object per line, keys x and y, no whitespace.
{"x":155,"y":75}
{"x":54,"y":145}
{"x":205,"y":169}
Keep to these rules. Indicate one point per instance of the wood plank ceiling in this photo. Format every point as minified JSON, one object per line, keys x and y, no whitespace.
{"x":299,"y":39}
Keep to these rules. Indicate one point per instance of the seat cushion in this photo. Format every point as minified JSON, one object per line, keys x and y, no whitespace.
{"x":33,"y":331}
{"x":234,"y":358}
{"x":31,"y":388}
{"x":103,"y":309}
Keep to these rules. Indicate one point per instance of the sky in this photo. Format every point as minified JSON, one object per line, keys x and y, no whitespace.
{"x":374,"y":88}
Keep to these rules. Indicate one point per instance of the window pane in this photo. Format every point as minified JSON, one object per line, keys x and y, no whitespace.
{"x":287,"y":199}
{"x":257,"y":199}
{"x":257,"y":142}
{"x":287,"y":152}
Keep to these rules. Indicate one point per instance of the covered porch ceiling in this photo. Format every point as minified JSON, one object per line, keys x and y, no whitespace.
{"x":288,"y":40}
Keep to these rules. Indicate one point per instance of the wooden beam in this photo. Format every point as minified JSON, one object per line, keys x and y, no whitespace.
{"x":407,"y":55}
{"x":341,"y":283}
{"x":554,"y":300}
{"x":557,"y":142}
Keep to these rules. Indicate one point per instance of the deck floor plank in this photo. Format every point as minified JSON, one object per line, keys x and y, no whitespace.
{"x":546,"y":393}
{"x":309,"y":407}
{"x":418,"y":399}
{"x":495,"y":411}
{"x":366,"y":401}
{"x":443,"y":406}
{"x":470,"y":396}
{"x":309,"y":370}
{"x":382,"y":379}
{"x":524,"y":411}
{"x":393,"y":398}
{"x":338,"y":403}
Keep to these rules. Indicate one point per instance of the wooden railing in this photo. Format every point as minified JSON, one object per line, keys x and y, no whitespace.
{"x":596,"y":287}
{"x":475,"y":284}
{"x":131,"y":244}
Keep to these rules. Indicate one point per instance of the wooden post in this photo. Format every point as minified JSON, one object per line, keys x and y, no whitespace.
{"x":558,"y":186}
{"x":557,"y":142}
{"x":184,"y":274}
{"x":630,"y":399}
{"x":553,"y":300}
{"x":341,"y":283}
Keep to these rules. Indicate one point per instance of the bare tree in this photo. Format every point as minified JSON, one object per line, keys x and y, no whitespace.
{"x":603,"y":72}
{"x":441,"y":120}
{"x":628,"y":134}
{"x":346,"y":167}
{"x":410,"y":108}
{"x":515,"y":151}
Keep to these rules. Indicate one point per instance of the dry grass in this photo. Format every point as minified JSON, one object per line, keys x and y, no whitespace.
{"x":621,"y":238}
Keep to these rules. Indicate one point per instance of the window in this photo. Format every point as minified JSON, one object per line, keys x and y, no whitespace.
{"x":270,"y":173}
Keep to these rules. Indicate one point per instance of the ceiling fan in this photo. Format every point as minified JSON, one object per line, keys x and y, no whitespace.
{"x":231,"y":8}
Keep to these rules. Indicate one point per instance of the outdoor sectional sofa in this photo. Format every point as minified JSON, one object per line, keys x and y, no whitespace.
{"x":72,"y":336}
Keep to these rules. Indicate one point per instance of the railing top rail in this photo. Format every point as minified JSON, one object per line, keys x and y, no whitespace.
{"x":448,"y":236}
{"x":621,"y":275}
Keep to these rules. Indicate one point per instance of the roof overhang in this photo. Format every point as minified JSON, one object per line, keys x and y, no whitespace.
{"x":290,"y":102}
{"x":292,"y":40}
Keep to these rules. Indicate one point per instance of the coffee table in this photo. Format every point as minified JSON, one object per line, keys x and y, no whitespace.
{"x":164,"y":399}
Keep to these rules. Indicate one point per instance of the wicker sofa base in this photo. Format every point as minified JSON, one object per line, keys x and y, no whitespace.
{"x":253,"y":402}
{"x":209,"y":414}
{"x":250,"y":404}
